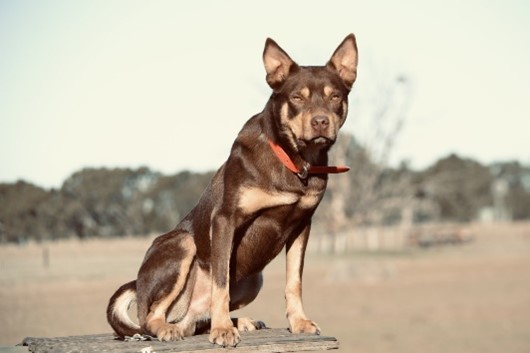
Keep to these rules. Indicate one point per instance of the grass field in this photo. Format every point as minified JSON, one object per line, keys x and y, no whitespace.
{"x":467,"y":298}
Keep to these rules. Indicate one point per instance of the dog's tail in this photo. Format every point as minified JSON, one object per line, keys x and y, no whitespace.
{"x":117,"y":314}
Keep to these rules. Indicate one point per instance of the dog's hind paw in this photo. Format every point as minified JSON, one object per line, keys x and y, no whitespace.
{"x":169,"y":332}
{"x":248,"y":324}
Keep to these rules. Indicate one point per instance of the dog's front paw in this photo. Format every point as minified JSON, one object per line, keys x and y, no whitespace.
{"x":305,"y":326}
{"x":225,"y":336}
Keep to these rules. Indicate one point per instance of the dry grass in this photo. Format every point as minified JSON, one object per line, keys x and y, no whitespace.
{"x":469,"y":298}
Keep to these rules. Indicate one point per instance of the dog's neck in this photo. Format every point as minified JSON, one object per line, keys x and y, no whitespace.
{"x":315,"y":154}
{"x":307,"y":169}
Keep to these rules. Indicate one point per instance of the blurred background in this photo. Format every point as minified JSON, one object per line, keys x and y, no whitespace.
{"x":115,"y":114}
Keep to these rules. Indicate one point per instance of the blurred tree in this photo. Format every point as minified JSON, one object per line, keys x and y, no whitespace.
{"x":461,"y":187}
{"x":19,"y":204}
{"x":516,"y":179}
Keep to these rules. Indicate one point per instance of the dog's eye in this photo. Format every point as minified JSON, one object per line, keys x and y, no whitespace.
{"x":296,"y":98}
{"x":335,"y":98}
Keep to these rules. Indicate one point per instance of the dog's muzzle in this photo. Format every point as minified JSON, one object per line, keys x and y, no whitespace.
{"x":322,"y":130}
{"x":320,"y":125}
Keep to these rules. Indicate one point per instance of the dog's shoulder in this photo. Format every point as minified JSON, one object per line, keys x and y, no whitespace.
{"x":250,"y":152}
{"x":252,"y":133}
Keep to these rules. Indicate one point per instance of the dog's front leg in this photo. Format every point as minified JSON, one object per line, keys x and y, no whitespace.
{"x":298,"y":321}
{"x":222,"y":330}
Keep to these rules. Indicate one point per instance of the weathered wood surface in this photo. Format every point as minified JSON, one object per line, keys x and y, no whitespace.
{"x":267,"y":340}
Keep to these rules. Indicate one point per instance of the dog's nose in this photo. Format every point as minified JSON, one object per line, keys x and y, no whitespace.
{"x":320,"y":122}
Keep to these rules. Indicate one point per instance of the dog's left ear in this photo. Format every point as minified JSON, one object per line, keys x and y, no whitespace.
{"x":277,"y":63}
{"x":344,"y":60}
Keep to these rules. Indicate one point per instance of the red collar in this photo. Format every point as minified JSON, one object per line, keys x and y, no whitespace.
{"x":287,"y":161}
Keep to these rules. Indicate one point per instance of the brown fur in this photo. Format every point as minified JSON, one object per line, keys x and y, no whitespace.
{"x":211,"y":263}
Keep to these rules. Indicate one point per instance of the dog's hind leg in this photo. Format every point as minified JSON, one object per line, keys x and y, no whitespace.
{"x":163,"y":285}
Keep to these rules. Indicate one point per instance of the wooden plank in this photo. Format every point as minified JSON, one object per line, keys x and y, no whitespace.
{"x":262,"y":341}
{"x":13,"y":349}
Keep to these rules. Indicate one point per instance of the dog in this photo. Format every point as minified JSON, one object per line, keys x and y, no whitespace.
{"x":260,"y":201}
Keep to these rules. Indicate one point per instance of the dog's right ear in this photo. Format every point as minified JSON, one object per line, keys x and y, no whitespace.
{"x":277,"y":63}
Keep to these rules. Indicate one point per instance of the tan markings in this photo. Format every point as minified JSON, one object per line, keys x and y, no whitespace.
{"x":284,"y":113}
{"x":121,"y":306}
{"x":222,"y":330}
{"x":305,"y":92}
{"x":293,"y":124}
{"x":293,"y":290}
{"x":220,"y":301}
{"x":212,"y":216}
{"x":248,"y":324}
{"x":165,"y":331}
{"x":310,"y":199}
{"x":253,"y":199}
{"x":327,"y":91}
{"x":345,"y":113}
{"x":156,"y":319}
{"x":202,"y":296}
{"x":335,"y":123}
{"x":293,"y":287}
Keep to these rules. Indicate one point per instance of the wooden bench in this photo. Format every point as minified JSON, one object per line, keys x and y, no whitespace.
{"x":266,"y":340}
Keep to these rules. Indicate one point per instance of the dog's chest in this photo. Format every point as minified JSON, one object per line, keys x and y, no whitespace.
{"x":254,"y":199}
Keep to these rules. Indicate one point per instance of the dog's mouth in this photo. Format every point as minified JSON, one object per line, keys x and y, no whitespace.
{"x":316,"y":141}
{"x":321,"y":140}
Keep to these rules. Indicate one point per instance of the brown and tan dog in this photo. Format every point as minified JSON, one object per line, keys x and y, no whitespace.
{"x":261,"y":200}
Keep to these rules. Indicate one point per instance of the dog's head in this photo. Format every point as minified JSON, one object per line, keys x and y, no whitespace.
{"x":310,"y":103}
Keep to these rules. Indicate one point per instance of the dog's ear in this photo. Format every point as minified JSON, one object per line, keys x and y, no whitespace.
{"x":277,"y":63}
{"x":344,"y":60}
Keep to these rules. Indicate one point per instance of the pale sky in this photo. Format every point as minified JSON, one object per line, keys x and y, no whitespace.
{"x":168,"y":84}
